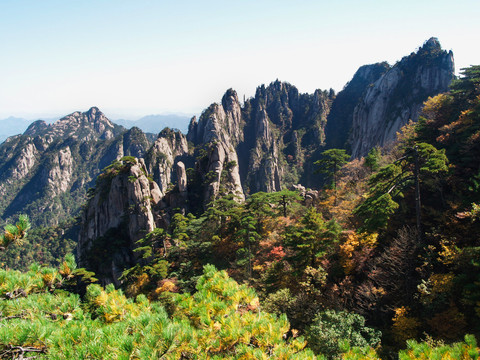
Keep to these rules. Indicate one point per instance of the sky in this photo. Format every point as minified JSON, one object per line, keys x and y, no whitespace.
{"x":140,"y":57}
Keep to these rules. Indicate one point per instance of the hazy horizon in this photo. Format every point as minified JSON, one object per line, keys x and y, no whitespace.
{"x":133,"y":59}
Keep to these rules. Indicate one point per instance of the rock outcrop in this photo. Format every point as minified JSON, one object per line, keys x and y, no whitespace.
{"x":58,"y":176}
{"x":117,"y":216}
{"x":169,"y":148}
{"x":265,"y":171}
{"x":262,"y":145}
{"x":92,"y":124}
{"x":398,"y":95}
{"x":288,"y":127}
{"x":182,"y":178}
{"x":134,"y":143}
{"x":219,"y":132}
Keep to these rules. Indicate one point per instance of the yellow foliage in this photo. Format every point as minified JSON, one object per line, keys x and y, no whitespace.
{"x":355,"y":354}
{"x":166,"y":286}
{"x":448,"y":254}
{"x":404,"y":327}
{"x":8,"y":237}
{"x":65,"y":270}
{"x":254,"y":304}
{"x":436,"y":285}
{"x":328,"y":200}
{"x":378,"y":291}
{"x":441,"y":283}
{"x":136,"y":287}
{"x":49,"y":279}
{"x":354,"y":242}
{"x":258,"y":268}
{"x":406,"y":133}
{"x":231,"y":326}
{"x":433,"y":105}
{"x":369,"y":240}
{"x":142,"y":280}
{"x":112,"y":306}
{"x":431,"y":349}
{"x":346,"y":252}
{"x":101,"y":300}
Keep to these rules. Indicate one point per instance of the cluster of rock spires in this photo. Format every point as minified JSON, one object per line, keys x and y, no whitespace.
{"x":265,"y":144}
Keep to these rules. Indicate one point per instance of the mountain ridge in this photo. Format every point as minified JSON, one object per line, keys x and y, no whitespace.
{"x":268,"y":143}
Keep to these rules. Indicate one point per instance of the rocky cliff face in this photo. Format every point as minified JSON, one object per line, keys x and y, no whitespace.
{"x":218,"y":133}
{"x":219,"y":122}
{"x":340,"y":118}
{"x":264,"y":163}
{"x":119,"y":213}
{"x":273,"y":139}
{"x":288,"y":127}
{"x":58,"y":176}
{"x":397,"y":96}
{"x":262,"y":145}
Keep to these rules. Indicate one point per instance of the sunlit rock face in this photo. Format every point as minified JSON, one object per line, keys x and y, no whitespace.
{"x":119,"y":214}
{"x":167,"y":150}
{"x":398,"y":96}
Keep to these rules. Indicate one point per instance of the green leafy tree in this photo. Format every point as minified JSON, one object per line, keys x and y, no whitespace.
{"x":468,"y":85}
{"x":256,"y":214}
{"x":334,"y":332}
{"x":331,"y":162}
{"x":423,"y":164}
{"x":248,"y":236}
{"x":222,"y":320}
{"x":220,"y":214}
{"x":310,"y":239}
{"x":372,"y":159}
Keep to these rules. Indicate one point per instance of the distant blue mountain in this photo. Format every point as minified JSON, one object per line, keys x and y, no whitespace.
{"x":156,"y":123}
{"x":12,"y":126}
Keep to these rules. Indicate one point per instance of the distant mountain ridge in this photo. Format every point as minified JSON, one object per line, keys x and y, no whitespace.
{"x":47,"y":171}
{"x":149,"y":124}
{"x":269,"y":142}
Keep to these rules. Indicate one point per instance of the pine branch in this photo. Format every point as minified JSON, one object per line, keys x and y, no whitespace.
{"x":22,"y":315}
{"x":17,"y":352}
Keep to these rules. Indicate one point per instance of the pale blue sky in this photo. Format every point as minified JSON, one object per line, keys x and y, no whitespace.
{"x":133,"y":58}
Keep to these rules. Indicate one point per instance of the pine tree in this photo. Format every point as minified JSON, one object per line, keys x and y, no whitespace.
{"x":14,"y":233}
